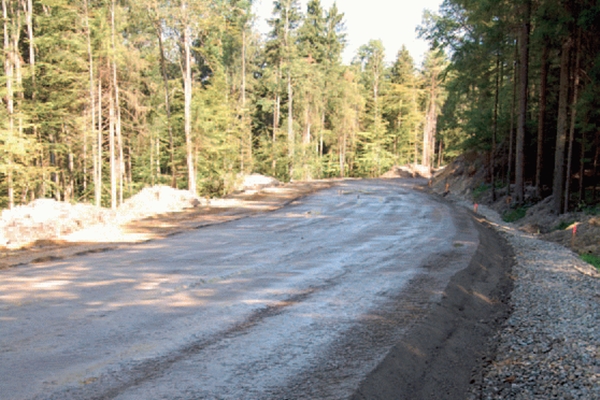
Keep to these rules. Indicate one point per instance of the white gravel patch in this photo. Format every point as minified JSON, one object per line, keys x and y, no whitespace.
{"x":549,"y":346}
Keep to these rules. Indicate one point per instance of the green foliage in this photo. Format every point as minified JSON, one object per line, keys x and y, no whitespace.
{"x":346,"y":121}
{"x":514,"y":214}
{"x":563,"y":225}
{"x":592,"y":210}
{"x":591,"y":259}
{"x":480,"y":190}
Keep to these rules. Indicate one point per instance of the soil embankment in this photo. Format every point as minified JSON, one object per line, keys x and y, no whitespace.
{"x":446,"y":352}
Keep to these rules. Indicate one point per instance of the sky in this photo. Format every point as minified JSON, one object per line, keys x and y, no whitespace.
{"x":392,"y":21}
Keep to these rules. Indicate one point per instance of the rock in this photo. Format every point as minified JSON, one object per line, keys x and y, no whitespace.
{"x":593,"y":249}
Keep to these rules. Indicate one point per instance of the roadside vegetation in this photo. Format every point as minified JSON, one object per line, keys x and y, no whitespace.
{"x":591,"y":259}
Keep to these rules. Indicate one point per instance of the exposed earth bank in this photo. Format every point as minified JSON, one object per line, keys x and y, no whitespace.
{"x":445,"y":353}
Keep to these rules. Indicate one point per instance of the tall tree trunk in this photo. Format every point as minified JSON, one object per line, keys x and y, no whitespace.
{"x":117,"y":107}
{"x":290,"y":92}
{"x":558,"y":186}
{"x":573,"y":120}
{"x":113,"y":161}
{"x":495,"y":128}
{"x":430,"y":124}
{"x":512,"y":124}
{"x":29,"y":22}
{"x":581,"y":194}
{"x":8,"y":73}
{"x":98,"y":188}
{"x":187,"y":84}
{"x":291,"y":136}
{"x":16,"y":59}
{"x":163,"y":69}
{"x":276,"y":110}
{"x":595,"y":166}
{"x":92,"y":103}
{"x":247,"y":156}
{"x":523,"y":89}
{"x":541,"y":119}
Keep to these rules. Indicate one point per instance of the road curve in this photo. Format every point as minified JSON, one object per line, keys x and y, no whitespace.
{"x":302,"y":302}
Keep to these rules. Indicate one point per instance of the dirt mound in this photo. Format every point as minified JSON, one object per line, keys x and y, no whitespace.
{"x":467,"y":178}
{"x":461,"y":177}
{"x":256,"y":182}
{"x":408,"y":171}
{"x":48,"y":219}
{"x":157,"y":200}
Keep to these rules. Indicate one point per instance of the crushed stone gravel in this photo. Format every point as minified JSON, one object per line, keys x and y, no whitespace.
{"x":549,"y":346}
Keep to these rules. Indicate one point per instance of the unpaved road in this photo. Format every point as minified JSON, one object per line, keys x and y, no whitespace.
{"x":302,"y":302}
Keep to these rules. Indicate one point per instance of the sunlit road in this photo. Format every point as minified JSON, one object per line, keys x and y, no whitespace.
{"x":298,"y":303}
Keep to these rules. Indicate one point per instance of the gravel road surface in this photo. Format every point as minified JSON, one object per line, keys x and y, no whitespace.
{"x":303,"y":302}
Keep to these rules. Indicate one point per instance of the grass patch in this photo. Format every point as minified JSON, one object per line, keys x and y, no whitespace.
{"x":514,"y":214}
{"x":593,"y":211}
{"x":480,"y":190}
{"x":563,"y":225}
{"x":591,"y":259}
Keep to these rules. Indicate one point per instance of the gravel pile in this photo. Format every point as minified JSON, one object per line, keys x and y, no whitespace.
{"x":549,"y":347}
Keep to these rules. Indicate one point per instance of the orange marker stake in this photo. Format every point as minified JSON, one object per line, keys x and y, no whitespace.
{"x":475,"y":208}
{"x":574,"y":235}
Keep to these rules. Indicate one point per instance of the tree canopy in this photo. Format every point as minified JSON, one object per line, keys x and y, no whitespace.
{"x":522,"y":87}
{"x":101,"y":98}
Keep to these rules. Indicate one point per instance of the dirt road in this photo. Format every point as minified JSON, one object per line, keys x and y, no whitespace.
{"x":303,"y":302}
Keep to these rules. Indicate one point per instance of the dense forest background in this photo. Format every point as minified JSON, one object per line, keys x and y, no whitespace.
{"x":101,"y":98}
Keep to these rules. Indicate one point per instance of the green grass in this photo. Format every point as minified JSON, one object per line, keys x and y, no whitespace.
{"x":563,"y":225}
{"x":589,"y":210}
{"x":480,"y":190}
{"x":591,"y":259}
{"x":514,"y":214}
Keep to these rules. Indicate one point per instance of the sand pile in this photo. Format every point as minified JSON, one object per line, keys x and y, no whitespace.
{"x":157,"y":200}
{"x":257,"y":182}
{"x":48,"y":219}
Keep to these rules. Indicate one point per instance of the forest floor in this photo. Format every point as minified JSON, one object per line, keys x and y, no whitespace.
{"x":102,"y":237}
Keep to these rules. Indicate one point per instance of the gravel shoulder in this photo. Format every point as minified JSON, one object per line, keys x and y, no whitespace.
{"x":549,"y":346}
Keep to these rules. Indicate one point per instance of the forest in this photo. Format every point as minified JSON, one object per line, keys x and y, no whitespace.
{"x":101,"y":98}
{"x":523,"y":89}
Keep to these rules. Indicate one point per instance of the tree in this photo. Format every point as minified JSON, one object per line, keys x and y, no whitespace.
{"x":523,"y":97}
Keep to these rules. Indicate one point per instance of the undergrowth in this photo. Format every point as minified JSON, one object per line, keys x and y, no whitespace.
{"x":514,"y":214}
{"x":563,"y":225}
{"x":591,"y":259}
{"x":480,"y":190}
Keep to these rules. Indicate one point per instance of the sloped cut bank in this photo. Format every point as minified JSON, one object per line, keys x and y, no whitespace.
{"x":444,"y":353}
